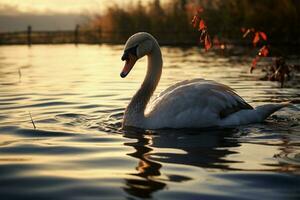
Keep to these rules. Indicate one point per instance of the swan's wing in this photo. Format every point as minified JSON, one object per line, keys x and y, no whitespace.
{"x":178,"y":84}
{"x":232,"y":102}
{"x":198,"y":95}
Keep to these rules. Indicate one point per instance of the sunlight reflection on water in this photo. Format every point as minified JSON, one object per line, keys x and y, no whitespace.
{"x":77,"y":99}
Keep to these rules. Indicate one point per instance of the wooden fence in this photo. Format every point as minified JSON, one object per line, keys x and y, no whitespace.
{"x":78,"y":35}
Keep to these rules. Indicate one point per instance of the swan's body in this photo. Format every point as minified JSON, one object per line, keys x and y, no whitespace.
{"x":193,"y":103}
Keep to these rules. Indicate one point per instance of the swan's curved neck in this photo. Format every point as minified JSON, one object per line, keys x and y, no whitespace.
{"x":134,"y":114}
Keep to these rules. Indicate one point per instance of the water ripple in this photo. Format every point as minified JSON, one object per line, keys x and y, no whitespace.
{"x":79,"y":150}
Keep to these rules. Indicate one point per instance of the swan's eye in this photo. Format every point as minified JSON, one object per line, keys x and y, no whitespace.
{"x":132,"y":51}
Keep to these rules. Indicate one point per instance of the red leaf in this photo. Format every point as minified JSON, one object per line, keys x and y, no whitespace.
{"x":254,"y":62}
{"x":263,"y":35}
{"x":256,"y":38}
{"x":264,"y":51}
{"x":202,"y":25}
{"x":195,"y":21}
{"x":207,"y":42}
{"x":202,"y":36}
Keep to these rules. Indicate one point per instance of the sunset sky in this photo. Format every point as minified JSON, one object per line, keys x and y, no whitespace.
{"x":61,"y":6}
{"x":16,"y":15}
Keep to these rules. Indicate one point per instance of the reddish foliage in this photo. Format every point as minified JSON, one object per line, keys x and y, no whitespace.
{"x":202,"y":28}
{"x":255,"y":39}
{"x":202,"y":36}
{"x":263,"y":35}
{"x":202,"y":25}
{"x":207,"y":42}
{"x":195,"y":21}
{"x":258,"y":35}
{"x":264,"y":51}
{"x":254,"y":63}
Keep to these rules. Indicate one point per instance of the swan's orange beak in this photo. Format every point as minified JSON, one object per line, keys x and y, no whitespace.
{"x":130,"y":61}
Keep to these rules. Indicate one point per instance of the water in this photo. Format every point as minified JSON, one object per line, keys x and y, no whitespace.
{"x":78,"y":150}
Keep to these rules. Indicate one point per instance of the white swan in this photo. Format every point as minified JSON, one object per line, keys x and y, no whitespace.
{"x":196,"y":103}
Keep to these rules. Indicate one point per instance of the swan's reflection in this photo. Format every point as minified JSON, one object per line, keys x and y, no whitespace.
{"x":147,"y":170}
{"x":206,"y":149}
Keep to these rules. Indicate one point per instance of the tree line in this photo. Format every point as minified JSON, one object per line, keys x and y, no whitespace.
{"x":170,"y":21}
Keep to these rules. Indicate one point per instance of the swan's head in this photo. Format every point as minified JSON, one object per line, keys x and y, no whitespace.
{"x":136,"y":47}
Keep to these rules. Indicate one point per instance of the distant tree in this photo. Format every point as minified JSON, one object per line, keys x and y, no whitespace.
{"x":172,"y":21}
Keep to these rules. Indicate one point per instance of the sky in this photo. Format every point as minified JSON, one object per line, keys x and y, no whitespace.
{"x":48,"y":15}
{"x":16,"y":15}
{"x":44,"y":6}
{"x":60,"y":6}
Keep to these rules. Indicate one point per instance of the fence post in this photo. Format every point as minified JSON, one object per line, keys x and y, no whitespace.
{"x":76,"y":34}
{"x":99,"y":35}
{"x":29,"y":30}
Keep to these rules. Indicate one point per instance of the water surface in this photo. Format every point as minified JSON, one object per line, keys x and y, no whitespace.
{"x":78,"y":150}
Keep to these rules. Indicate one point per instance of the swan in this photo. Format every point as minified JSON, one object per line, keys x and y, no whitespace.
{"x":196,"y":103}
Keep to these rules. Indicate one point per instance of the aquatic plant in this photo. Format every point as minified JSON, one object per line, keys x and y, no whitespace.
{"x":198,"y":22}
{"x":33,"y":124}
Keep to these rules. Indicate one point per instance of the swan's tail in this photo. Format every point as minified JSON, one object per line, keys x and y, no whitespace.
{"x":265,"y":111}
{"x":257,"y":115}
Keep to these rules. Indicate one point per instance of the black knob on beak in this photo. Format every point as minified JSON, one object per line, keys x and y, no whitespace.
{"x":125,"y":56}
{"x":123,"y":75}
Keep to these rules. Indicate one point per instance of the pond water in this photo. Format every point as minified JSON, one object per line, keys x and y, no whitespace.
{"x":78,"y":151}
